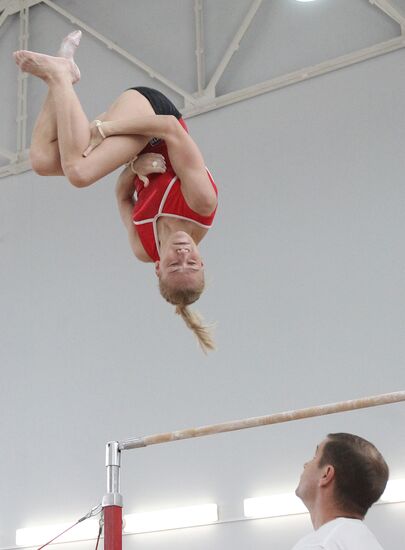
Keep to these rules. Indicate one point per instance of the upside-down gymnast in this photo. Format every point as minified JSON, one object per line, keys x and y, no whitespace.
{"x":172,"y":214}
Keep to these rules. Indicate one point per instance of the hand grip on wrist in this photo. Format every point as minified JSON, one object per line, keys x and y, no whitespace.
{"x":99,"y":127}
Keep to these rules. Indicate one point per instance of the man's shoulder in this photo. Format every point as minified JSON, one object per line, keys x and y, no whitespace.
{"x":340,"y":534}
{"x":308,"y":542}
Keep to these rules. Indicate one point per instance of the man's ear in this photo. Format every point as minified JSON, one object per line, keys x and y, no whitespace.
{"x":157,"y":268}
{"x":328,"y":475}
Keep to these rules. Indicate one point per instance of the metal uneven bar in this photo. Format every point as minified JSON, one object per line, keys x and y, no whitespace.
{"x":112,"y":500}
{"x":113,"y":464}
{"x":318,"y":410}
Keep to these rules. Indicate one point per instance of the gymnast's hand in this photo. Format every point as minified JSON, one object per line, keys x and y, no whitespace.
{"x":149,"y":163}
{"x":97,"y":135}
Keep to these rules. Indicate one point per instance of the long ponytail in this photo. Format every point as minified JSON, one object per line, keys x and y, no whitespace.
{"x":195,"y":322}
{"x":183,"y":297}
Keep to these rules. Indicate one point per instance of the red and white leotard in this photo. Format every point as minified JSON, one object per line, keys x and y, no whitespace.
{"x":162,"y":197}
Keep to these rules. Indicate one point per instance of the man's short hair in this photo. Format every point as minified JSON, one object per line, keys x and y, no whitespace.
{"x":361,"y":472}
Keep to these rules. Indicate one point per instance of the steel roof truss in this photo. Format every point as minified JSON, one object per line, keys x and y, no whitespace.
{"x":204,"y":99}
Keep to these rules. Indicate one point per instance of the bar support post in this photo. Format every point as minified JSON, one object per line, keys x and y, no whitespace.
{"x":112,"y":500}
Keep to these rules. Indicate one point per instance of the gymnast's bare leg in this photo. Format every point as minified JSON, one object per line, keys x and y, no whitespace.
{"x":44,"y":149}
{"x":63,"y":128}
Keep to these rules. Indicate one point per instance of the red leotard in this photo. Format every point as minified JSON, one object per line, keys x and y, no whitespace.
{"x":162,"y":197}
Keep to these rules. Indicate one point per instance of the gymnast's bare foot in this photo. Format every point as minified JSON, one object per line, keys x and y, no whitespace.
{"x":46,"y":67}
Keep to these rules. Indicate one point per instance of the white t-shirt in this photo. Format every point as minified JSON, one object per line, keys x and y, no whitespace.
{"x":340,"y":534}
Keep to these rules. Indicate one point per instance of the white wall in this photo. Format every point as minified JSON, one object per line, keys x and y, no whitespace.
{"x":306,"y":269}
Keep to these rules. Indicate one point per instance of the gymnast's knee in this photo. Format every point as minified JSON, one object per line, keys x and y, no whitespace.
{"x":41,"y":163}
{"x":77,"y":175}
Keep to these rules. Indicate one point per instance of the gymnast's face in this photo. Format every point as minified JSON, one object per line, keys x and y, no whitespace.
{"x":180,"y":261}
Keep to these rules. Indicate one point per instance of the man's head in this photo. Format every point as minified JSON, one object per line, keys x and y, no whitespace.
{"x":347,"y":473}
{"x":180,"y":270}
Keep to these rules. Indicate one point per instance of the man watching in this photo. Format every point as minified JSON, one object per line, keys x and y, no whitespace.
{"x":338,"y":485}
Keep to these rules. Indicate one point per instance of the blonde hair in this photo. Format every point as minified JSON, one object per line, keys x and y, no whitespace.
{"x":181,"y":298}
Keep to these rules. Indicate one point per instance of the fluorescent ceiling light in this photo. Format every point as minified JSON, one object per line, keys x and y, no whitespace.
{"x":394,"y":492}
{"x":305,"y":0}
{"x":289,"y":504}
{"x":272,"y":506}
{"x":173,"y":518}
{"x":35,"y":536}
{"x":186,"y":516}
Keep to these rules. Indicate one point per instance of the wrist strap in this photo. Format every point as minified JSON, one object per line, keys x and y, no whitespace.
{"x":98,"y":124}
{"x":131,"y":165}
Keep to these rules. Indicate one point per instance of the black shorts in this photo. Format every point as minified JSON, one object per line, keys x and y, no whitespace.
{"x":160,"y":103}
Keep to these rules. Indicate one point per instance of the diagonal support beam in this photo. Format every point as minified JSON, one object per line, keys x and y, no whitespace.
{"x":297,"y":76}
{"x":5,"y":13}
{"x":199,"y":51}
{"x":7,"y":154}
{"x":14,"y":6}
{"x":206,"y":100}
{"x":233,"y":46}
{"x":390,"y":10}
{"x":16,"y":167}
{"x":22,"y":84}
{"x":124,"y":53}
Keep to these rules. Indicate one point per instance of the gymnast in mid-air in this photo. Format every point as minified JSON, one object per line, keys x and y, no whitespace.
{"x":166,"y":197}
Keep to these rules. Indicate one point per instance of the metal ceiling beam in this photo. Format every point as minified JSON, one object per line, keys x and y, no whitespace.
{"x":16,"y":167}
{"x":7,"y":154}
{"x":297,"y":76}
{"x":112,"y":46}
{"x":19,"y":161}
{"x":204,"y":100}
{"x":233,"y":46}
{"x":390,"y":10}
{"x":199,"y":49}
{"x":22,"y":84}
{"x":14,"y":6}
{"x":4,"y":14}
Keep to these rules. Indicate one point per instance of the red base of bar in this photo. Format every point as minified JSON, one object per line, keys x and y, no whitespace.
{"x":112,"y":528}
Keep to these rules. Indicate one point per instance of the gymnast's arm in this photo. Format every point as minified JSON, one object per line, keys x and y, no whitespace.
{"x":185,"y":156}
{"x":124,"y":193}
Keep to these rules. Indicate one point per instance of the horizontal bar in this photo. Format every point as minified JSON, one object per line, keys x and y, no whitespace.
{"x":254,"y":422}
